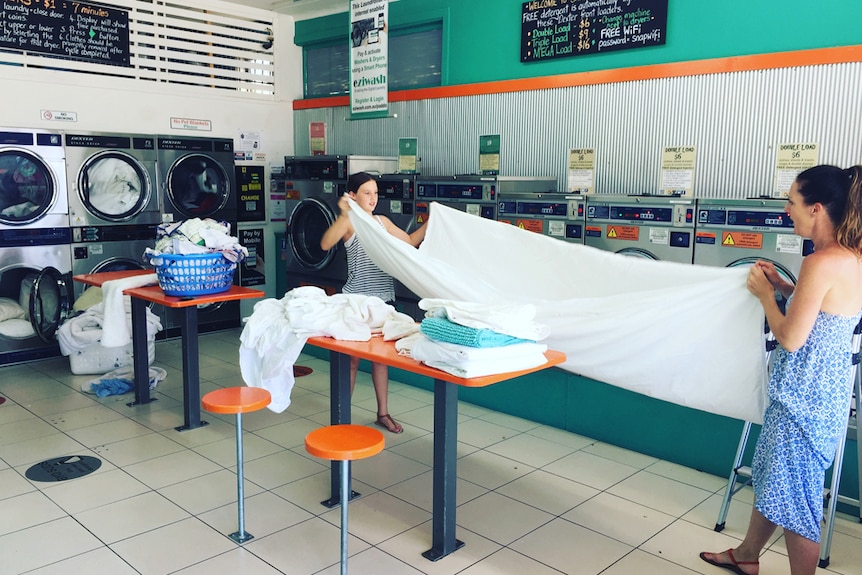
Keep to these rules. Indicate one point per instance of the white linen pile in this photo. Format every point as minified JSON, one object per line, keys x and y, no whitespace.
{"x":276,"y":332}
{"x":88,"y":328}
{"x":441,"y":348}
{"x":116,"y":307}
{"x":688,"y":334}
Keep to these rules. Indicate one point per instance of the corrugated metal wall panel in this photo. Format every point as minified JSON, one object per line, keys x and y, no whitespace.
{"x":735,"y":121}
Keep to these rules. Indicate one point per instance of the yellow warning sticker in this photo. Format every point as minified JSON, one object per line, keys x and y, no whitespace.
{"x":742,"y":240}
{"x":630,"y":233}
{"x":531,"y":225}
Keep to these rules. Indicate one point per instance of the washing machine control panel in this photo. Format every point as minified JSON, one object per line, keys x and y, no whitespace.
{"x":749,"y":219}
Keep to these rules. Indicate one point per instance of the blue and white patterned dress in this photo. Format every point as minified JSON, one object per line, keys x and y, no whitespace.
{"x":809,"y":397}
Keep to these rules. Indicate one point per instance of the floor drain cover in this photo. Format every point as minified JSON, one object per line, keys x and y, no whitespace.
{"x":63,"y":468}
{"x":299,"y":370}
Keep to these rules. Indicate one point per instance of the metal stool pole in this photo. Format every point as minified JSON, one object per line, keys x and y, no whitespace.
{"x":241,"y":536}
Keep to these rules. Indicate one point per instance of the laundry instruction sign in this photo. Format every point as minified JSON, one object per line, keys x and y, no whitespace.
{"x":369,"y":59}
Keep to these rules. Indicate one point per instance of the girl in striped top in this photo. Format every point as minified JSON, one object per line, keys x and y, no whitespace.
{"x":364,"y":277}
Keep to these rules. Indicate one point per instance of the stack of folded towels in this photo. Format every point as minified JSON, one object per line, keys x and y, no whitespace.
{"x":473,"y":340}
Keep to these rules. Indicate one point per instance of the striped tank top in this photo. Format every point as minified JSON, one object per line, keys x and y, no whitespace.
{"x":363,"y":275}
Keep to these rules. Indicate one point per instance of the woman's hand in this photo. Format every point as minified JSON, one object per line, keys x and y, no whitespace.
{"x":759,"y":282}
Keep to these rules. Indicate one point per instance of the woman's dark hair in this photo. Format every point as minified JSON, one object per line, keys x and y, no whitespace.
{"x":840,"y":192}
{"x":357,"y":179}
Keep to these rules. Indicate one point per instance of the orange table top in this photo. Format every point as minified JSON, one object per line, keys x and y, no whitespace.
{"x":156,"y":295}
{"x":380,"y":351}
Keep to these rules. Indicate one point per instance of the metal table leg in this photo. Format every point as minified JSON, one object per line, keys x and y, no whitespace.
{"x":191,"y":369}
{"x":339,"y":405}
{"x":443,"y":541}
{"x":140,"y":353}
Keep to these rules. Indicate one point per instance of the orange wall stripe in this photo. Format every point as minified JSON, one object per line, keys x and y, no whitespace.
{"x":820,"y":56}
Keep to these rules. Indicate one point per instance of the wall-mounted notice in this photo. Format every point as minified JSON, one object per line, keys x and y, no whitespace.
{"x":317,"y":138}
{"x":562,"y":28}
{"x":369,"y":59}
{"x":677,"y":171}
{"x":489,"y":155}
{"x":790,"y":159}
{"x":582,"y":171}
{"x":73,"y":30}
{"x":407,"y":155}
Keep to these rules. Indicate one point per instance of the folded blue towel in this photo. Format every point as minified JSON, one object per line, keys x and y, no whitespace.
{"x":441,"y":329}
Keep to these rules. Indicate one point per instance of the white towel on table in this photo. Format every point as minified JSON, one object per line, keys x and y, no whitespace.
{"x":115,"y":329}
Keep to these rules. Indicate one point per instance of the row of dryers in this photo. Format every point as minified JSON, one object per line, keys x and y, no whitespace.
{"x":76,"y":203}
{"x":715,"y":232}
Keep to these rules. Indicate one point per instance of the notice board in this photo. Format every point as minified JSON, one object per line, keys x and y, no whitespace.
{"x":564,"y":28}
{"x":73,"y":30}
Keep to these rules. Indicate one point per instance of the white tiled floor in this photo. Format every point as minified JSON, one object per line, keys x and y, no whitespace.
{"x":531,"y":499}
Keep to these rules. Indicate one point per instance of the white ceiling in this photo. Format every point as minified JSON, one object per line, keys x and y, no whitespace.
{"x":299,"y":9}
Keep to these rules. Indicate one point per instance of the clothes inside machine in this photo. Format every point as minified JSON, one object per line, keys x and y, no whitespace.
{"x":199,"y":181}
{"x":112,"y":179}
{"x":560,"y":216}
{"x":33,"y":192}
{"x":738,"y":232}
{"x":652,"y":227}
{"x":35,"y":291}
{"x":313,"y":185}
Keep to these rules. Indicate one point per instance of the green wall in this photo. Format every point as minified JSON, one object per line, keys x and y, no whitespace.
{"x":482,"y":37}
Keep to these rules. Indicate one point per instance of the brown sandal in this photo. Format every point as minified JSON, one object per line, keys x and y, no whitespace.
{"x":385,"y":421}
{"x":732,"y":566}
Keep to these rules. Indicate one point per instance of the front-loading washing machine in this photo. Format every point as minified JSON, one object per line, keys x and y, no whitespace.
{"x":738,"y":232}
{"x":198,"y":179}
{"x":112,"y":179}
{"x":652,"y":227}
{"x":35,"y":291}
{"x":559,"y":216}
{"x":313,"y":185}
{"x":32,"y":180}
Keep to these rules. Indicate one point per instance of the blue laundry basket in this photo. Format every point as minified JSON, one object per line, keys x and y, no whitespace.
{"x":194,"y":274}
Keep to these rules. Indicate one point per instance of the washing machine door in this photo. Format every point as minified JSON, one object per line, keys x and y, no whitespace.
{"x":114,"y":186}
{"x":785,"y":274}
{"x":198,"y":186}
{"x":28,"y":187}
{"x":637,"y":253}
{"x":308,"y":222}
{"x":49,"y":303}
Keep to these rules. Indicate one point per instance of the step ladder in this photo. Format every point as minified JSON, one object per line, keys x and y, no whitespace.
{"x":740,"y":475}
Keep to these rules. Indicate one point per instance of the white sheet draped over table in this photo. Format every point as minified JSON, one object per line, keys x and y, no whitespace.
{"x":688,"y":334}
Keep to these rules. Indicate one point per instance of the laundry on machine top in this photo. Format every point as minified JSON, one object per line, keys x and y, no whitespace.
{"x":113,"y":178}
{"x":32,"y":180}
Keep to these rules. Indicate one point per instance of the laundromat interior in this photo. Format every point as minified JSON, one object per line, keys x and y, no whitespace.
{"x":557,"y":472}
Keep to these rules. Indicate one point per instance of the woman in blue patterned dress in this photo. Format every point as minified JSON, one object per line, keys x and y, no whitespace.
{"x":810,"y":385}
{"x":364,"y":277}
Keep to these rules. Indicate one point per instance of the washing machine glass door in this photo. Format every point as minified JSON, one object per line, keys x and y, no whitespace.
{"x":49,"y":303}
{"x":28,"y":188}
{"x":308,"y":222}
{"x":198,"y":186}
{"x":114,"y":186}
{"x":784,"y":273}
{"x":637,"y":253}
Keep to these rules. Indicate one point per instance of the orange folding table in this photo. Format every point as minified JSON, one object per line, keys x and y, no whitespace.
{"x":188,"y":328}
{"x":445,"y":421}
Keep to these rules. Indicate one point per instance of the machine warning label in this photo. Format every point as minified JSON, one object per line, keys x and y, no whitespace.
{"x":593,"y":232}
{"x":704,"y":238}
{"x":742,"y":240}
{"x":531,"y":225}
{"x":630,"y":233}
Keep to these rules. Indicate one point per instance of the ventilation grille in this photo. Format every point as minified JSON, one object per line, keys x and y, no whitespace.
{"x":182,"y":44}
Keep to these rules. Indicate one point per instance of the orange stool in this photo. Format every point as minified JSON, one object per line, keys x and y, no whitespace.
{"x":237,"y":400}
{"x":344,"y":443}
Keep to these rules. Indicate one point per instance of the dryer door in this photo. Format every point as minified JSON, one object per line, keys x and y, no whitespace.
{"x":198,"y":186}
{"x":308,"y":222}
{"x":49,"y":302}
{"x":28,"y":188}
{"x":786,"y":275}
{"x":637,"y":253}
{"x":114,"y":186}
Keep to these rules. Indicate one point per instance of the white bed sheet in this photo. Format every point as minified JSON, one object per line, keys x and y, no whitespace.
{"x":687,"y":334}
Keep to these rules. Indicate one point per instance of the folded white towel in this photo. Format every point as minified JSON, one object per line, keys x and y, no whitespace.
{"x":426,"y":349}
{"x":511,"y":319}
{"x":115,"y":330}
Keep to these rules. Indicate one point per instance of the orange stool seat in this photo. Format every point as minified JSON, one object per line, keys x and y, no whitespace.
{"x":238,"y":400}
{"x":344,"y":443}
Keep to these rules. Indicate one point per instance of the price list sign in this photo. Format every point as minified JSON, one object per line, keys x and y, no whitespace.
{"x":73,"y":30}
{"x":562,"y":28}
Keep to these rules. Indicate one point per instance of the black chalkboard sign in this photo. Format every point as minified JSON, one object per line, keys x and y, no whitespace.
{"x":564,"y":28}
{"x":73,"y":30}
